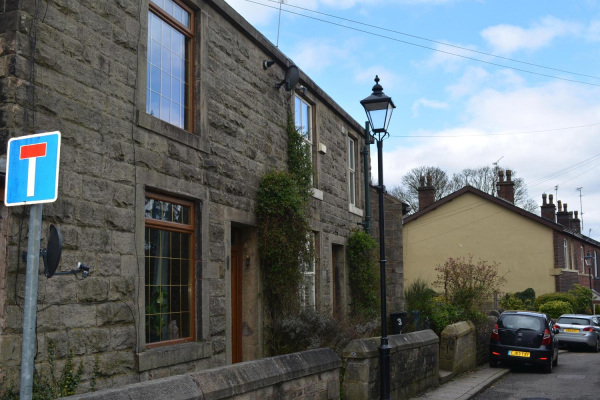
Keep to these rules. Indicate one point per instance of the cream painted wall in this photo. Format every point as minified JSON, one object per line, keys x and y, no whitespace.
{"x":471,"y":224}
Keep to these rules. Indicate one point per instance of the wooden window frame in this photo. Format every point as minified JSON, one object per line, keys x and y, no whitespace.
{"x":189,"y":34}
{"x":566,"y":253}
{"x":311,"y":129}
{"x":182,"y":228}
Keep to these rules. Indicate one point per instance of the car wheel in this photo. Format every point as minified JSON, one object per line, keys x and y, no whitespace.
{"x":597,"y":347}
{"x":493,"y":363}
{"x":548,"y":367}
{"x":555,"y":362}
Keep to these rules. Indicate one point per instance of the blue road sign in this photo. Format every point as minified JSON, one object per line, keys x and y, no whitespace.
{"x":32,"y":169}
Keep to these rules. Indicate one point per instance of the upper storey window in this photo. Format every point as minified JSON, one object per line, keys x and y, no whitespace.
{"x":168,"y":92}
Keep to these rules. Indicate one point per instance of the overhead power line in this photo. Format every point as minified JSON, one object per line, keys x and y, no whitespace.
{"x":436,"y":41}
{"x":494,"y":134}
{"x":427,"y":47}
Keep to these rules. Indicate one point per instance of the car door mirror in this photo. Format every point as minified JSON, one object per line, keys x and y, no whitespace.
{"x":555,"y":330}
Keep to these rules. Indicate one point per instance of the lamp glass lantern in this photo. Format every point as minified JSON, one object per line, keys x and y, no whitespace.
{"x":589,"y":260}
{"x":379,"y":108}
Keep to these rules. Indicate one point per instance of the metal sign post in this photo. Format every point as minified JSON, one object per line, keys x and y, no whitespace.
{"x":31,"y":292}
{"x":32,"y":165}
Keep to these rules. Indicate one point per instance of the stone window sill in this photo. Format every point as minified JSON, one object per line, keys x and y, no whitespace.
{"x":354,"y":210}
{"x":318,"y":194}
{"x":171,"y":355}
{"x":172,"y":132}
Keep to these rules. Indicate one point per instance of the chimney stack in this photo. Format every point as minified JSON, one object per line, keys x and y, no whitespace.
{"x":426,"y":193}
{"x":562,"y":216}
{"x":548,"y":209}
{"x":506,"y":190}
{"x":576,"y":222}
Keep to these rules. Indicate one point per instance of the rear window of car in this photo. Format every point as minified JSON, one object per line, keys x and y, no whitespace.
{"x":521,"y":322}
{"x":573,"y":321}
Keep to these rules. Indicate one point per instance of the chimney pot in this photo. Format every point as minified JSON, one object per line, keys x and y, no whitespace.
{"x":551,"y":199}
{"x":429,"y":180}
{"x":559,"y":205}
{"x":565,"y":207}
{"x":548,"y":209}
{"x":422,"y":181}
{"x":426,"y":193}
{"x":501,"y":175}
{"x":508,"y":175}
{"x":544,"y":199}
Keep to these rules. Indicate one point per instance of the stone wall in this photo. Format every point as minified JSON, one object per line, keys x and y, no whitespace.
{"x":394,"y":268}
{"x":414,"y":366}
{"x":90,"y":84}
{"x":310,"y":374}
{"x":458,"y":347}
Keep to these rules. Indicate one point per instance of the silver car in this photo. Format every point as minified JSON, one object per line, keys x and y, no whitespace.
{"x":575,"y":329}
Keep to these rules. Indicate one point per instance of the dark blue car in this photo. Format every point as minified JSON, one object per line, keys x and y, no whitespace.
{"x":524,"y":337}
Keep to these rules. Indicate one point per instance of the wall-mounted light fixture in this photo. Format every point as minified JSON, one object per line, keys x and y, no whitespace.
{"x":267,"y":64}
{"x":301,"y":89}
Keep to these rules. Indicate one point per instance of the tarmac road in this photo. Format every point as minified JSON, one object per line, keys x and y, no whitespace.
{"x":577,"y":376}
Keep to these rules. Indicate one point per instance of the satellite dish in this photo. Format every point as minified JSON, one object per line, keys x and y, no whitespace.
{"x":292,"y":77}
{"x":52,"y":253}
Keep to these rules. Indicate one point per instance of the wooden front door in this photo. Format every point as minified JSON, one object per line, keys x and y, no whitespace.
{"x":236,"y":297}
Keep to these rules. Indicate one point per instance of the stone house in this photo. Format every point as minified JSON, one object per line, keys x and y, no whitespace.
{"x":169,"y":119}
{"x":544,"y":252}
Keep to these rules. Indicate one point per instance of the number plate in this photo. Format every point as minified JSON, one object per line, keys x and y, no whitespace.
{"x":518,"y":353}
{"x":572,"y":330}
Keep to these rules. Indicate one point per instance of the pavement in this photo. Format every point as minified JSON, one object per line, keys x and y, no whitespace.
{"x":467,"y":385}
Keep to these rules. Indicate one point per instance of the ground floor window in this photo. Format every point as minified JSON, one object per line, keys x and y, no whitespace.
{"x":307,"y":288}
{"x":169,"y":270}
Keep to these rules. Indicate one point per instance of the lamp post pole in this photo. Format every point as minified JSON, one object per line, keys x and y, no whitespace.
{"x":589,"y":260}
{"x":384,"y":348}
{"x":379,"y":108}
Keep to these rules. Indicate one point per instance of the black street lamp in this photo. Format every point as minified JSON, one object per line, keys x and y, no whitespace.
{"x":589,"y":260}
{"x":379,"y":108}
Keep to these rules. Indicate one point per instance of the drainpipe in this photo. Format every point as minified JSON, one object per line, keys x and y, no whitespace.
{"x":365,"y":152}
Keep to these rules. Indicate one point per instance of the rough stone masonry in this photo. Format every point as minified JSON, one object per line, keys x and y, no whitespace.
{"x":89,"y":83}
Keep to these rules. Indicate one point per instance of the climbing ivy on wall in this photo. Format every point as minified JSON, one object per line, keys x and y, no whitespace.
{"x":363,"y":274}
{"x":283,"y":228}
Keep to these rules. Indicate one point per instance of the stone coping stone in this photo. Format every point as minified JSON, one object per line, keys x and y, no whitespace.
{"x":458,"y":330}
{"x":181,"y":387}
{"x":226,"y":381}
{"x":368,"y":348}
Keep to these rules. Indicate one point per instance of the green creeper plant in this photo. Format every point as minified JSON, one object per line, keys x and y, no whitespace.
{"x":284,"y":232}
{"x":363,"y":274}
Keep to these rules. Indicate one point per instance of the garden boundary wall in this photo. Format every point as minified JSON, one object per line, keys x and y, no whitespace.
{"x":312,"y":374}
{"x":414,"y":362}
{"x":458,"y":347}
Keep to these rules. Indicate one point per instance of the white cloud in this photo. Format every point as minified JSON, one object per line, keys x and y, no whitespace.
{"x":449,"y":62}
{"x":517,"y":108}
{"x":315,"y":55}
{"x":423,"y":102}
{"x":254,"y":13}
{"x":506,"y":39}
{"x":388,"y":78}
{"x":593,"y":31}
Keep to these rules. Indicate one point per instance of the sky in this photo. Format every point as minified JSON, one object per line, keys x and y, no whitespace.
{"x":454,"y":112}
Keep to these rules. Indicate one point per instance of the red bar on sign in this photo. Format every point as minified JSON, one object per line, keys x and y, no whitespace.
{"x":33,"y":150}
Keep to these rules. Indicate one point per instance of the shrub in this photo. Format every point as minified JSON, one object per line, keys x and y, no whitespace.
{"x":418,"y":296}
{"x":484,"y":328}
{"x":310,"y":329}
{"x":597,"y":307}
{"x":512,"y":302}
{"x":527,"y":296}
{"x":583,"y":299}
{"x":558,"y":296}
{"x":467,"y":284}
{"x":363,"y":274}
{"x":556,"y":308}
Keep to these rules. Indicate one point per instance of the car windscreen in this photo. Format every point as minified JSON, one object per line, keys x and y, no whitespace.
{"x":521,"y":322}
{"x":573,"y":321}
